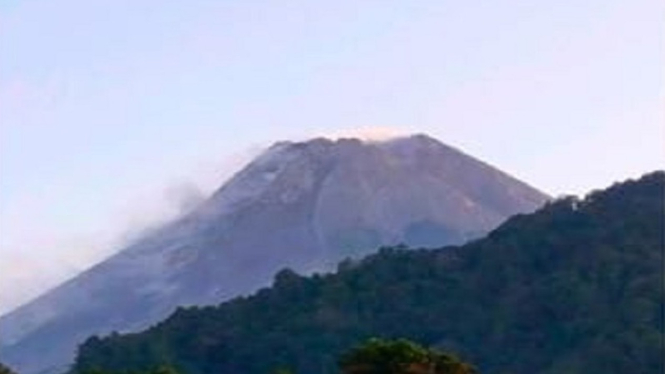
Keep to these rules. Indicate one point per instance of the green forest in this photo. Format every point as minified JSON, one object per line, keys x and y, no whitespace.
{"x":375,"y":356}
{"x":576,"y":287}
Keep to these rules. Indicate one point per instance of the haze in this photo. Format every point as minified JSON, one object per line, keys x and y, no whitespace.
{"x":115,"y":115}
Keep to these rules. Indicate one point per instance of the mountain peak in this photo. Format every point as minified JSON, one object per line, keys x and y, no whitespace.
{"x":360,"y":139}
{"x":304,"y":205}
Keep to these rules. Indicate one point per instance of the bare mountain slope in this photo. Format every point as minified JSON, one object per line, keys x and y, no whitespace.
{"x":300,"y":205}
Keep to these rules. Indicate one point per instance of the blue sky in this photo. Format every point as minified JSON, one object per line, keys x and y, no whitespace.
{"x":111,"y":111}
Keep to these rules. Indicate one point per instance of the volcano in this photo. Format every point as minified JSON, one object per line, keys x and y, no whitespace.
{"x":301,"y":205}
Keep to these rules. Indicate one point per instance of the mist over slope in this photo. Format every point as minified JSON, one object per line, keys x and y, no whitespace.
{"x":302,"y":205}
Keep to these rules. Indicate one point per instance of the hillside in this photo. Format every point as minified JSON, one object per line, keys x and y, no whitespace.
{"x":576,"y":287}
{"x":302,"y":205}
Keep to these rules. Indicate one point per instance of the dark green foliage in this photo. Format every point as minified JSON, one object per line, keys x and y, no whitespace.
{"x":161,"y":369}
{"x":378,"y":356}
{"x":576,"y":287}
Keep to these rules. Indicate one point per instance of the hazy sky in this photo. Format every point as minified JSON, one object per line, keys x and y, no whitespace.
{"x":111,"y":112}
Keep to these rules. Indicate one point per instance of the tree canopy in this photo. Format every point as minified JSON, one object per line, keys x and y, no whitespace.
{"x":378,"y":356}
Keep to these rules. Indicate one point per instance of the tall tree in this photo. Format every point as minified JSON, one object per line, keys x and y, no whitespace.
{"x":378,"y":356}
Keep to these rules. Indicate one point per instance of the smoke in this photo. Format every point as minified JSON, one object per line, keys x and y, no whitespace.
{"x":36,"y":260}
{"x":369,"y":133}
{"x":184,"y":197}
{"x":171,"y":199}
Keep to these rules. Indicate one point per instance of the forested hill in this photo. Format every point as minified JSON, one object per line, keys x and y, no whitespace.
{"x":576,"y":287}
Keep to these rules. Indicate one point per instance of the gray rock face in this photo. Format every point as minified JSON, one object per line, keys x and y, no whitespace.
{"x":300,"y":205}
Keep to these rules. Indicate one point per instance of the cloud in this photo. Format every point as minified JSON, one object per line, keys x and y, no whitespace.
{"x":369,"y":133}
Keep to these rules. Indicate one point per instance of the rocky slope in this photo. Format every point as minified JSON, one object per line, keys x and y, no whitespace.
{"x":300,"y":205}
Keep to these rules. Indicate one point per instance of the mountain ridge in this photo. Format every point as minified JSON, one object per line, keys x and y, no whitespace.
{"x":313,"y":204}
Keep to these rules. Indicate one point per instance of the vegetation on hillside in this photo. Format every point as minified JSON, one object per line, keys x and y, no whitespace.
{"x":576,"y":287}
{"x":161,"y":369}
{"x":376,"y":356}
